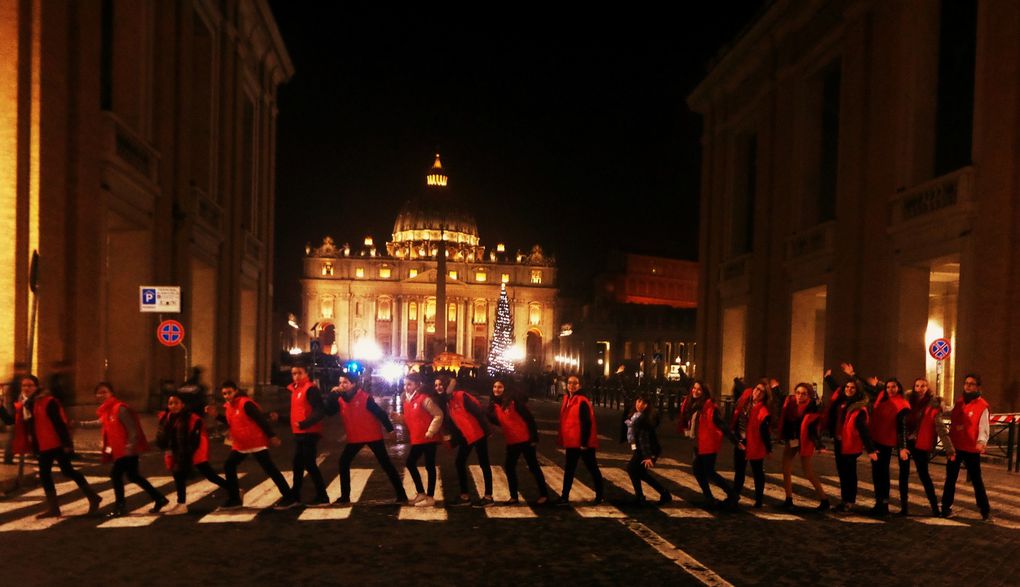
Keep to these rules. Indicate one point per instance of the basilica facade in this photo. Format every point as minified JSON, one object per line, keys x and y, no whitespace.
{"x":368,"y":301}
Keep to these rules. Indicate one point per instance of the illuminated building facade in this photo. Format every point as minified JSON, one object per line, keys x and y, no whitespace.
{"x":374,"y":300}
{"x":860,"y":194}
{"x":137,"y":145}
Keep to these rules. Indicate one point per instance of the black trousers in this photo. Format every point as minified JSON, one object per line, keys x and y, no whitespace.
{"x":264,"y":460}
{"x":921,"y":459}
{"x":704,"y":472}
{"x":378,"y":448}
{"x":570,"y":467}
{"x":972,"y":461}
{"x":63,"y":460}
{"x":880,"y":474}
{"x":128,"y":467}
{"x":181,"y":479}
{"x":846,"y":467}
{"x":481,"y":448}
{"x":740,"y":471}
{"x":513,"y":453}
{"x":306,"y":449}
{"x":638,"y":472}
{"x":417,"y":450}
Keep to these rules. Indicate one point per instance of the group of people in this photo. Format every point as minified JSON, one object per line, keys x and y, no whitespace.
{"x":870,"y":417}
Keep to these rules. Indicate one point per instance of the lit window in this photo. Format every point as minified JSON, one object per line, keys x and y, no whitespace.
{"x":326,"y":307}
{"x":505,"y":278}
{"x":481,"y":312}
{"x":536,"y":276}
{"x":384,"y":272}
{"x":500,"y":248}
{"x":368,"y":241}
{"x":451,"y":313}
{"x":480,"y":276}
{"x":535,"y":314}
{"x":430,"y":310}
{"x":412,"y":273}
{"x":327,"y":268}
{"x":359,"y":272}
{"x":412,"y":311}
{"x":453,"y":275}
{"x":383,"y":311}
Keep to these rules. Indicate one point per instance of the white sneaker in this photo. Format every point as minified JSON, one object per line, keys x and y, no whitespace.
{"x":425,"y":503}
{"x":176,"y":510}
{"x":418,"y":498}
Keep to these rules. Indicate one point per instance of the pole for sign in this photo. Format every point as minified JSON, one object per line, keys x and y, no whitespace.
{"x":938,"y":378}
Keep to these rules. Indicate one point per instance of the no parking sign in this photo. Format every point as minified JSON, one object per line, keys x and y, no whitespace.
{"x":939,"y":349}
{"x":170,"y":333}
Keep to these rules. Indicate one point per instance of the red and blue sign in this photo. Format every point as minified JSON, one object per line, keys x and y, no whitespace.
{"x":170,"y":333}
{"x":939,"y":349}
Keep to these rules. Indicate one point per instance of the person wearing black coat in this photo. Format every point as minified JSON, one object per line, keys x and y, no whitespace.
{"x":638,"y":430}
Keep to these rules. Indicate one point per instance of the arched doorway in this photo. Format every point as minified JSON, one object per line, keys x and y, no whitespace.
{"x":533,"y":350}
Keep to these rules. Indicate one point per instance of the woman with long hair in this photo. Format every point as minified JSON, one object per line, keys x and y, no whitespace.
{"x":799,"y":428}
{"x":700,"y":420}
{"x":888,"y":429}
{"x":639,"y":431}
{"x":852,"y":438}
{"x":508,"y":409}
{"x":925,"y":429}
{"x":750,"y":426}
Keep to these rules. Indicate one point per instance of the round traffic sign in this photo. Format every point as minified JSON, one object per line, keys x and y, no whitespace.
{"x":939,"y":349}
{"x":170,"y":333}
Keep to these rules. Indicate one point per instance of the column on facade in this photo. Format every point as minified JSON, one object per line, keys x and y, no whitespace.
{"x":403,"y":329}
{"x":371,"y":305}
{"x":459,"y":346}
{"x":469,"y":320}
{"x":421,"y":328}
{"x":395,"y":320}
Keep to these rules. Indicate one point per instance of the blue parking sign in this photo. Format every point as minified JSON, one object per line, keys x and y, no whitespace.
{"x":148,"y":297}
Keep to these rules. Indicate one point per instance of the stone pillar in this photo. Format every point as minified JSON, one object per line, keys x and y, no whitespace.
{"x":421,"y":328}
{"x":395,"y":321}
{"x":403,"y":328}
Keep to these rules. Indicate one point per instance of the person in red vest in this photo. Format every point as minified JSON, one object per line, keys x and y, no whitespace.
{"x":925,"y":428}
{"x":467,"y":419}
{"x":181,"y":435}
{"x":852,"y":438}
{"x":638,"y":430}
{"x":363,"y":422}
{"x":751,"y":426}
{"x":123,"y":442}
{"x":250,"y":434}
{"x":700,"y":419}
{"x":799,"y":429}
{"x":508,"y":410}
{"x":41,"y":427}
{"x":969,"y":429}
{"x":424,"y":421}
{"x":578,"y":436}
{"x":307,"y":410}
{"x":888,"y":429}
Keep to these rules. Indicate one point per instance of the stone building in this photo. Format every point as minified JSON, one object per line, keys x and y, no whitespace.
{"x":860,"y":193}
{"x":370,"y":300}
{"x":137,"y":142}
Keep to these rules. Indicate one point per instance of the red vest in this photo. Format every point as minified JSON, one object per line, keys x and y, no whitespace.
{"x":115,"y":435}
{"x":883,"y":418}
{"x":965,"y":423}
{"x":418,"y":419}
{"x":42,"y":428}
{"x":201,"y":454}
{"x":709,"y":435}
{"x":926,"y":432}
{"x":468,"y":425}
{"x":360,"y":424}
{"x":755,"y":444}
{"x":245,"y":434}
{"x":300,"y":409}
{"x":570,"y":423}
{"x":850,"y":439}
{"x":515,"y":429}
{"x":807,"y":445}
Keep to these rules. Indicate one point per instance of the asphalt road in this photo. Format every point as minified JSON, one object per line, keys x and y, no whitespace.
{"x":377,"y":543}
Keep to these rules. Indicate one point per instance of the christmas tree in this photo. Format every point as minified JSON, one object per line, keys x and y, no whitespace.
{"x":502,"y":337}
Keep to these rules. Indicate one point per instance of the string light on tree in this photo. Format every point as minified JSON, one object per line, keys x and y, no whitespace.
{"x":502,"y":337}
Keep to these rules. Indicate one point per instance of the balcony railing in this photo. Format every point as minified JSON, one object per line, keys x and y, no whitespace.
{"x":949,"y":194}
{"x":817,"y":240}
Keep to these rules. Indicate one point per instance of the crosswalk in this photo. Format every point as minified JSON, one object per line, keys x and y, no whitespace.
{"x":18,"y":513}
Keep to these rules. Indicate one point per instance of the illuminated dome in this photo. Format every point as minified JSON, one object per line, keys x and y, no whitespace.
{"x":435,"y":214}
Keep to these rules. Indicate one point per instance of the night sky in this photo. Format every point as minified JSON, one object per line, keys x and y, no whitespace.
{"x":567,"y":130}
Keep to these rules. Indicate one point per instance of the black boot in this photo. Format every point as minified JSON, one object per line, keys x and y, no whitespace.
{"x":52,"y":506}
{"x":93,"y":497}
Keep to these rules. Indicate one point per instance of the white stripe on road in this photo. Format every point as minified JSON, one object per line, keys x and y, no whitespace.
{"x":683,"y":560}
{"x":31,"y":498}
{"x":75,"y":508}
{"x":621,"y":479}
{"x":554,"y":476}
{"x":423,"y":514}
{"x":142,"y":517}
{"x":500,"y":493}
{"x":359,"y":478}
